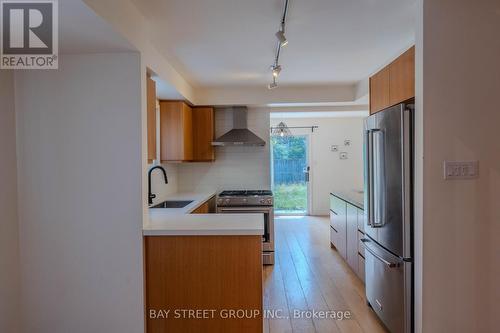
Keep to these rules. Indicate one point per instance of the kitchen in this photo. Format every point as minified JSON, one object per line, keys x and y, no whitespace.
{"x":139,"y":188}
{"x":348,"y":232}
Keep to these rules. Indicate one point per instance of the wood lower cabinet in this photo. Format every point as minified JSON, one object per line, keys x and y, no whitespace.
{"x":207,"y":207}
{"x":213,"y":273}
{"x":393,"y":84}
{"x":151,"y":118}
{"x":176,"y":131}
{"x":203,"y":134}
{"x":203,"y":209}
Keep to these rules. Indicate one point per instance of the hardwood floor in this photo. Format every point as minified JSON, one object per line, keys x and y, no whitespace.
{"x":309,"y":275}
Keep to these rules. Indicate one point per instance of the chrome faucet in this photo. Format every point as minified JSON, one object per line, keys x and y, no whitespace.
{"x":151,"y":196}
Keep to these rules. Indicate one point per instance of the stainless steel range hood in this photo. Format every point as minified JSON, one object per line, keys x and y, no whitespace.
{"x":240,"y":135}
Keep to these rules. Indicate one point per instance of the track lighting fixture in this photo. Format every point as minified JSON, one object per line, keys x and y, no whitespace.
{"x":276,"y":70}
{"x":273,"y":84}
{"x":281,"y":38}
{"x":282,"y":41}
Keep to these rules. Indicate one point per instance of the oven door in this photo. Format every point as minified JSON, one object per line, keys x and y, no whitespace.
{"x":268,"y":237}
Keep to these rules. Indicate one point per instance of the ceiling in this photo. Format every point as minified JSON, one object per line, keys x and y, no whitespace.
{"x":82,"y":31}
{"x":320,"y":114}
{"x":231,"y":42}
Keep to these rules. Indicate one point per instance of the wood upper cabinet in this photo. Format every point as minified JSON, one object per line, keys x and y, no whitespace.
{"x":393,"y":84}
{"x":151,"y":111}
{"x":402,"y":77}
{"x":203,"y":134}
{"x":176,"y":131}
{"x":186,"y":132}
{"x":379,"y":90}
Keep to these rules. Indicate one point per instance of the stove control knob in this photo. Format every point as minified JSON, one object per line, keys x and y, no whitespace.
{"x":244,"y":200}
{"x":262,"y":201}
{"x":219,"y":201}
{"x":269,"y":201}
{"x":227,"y":201}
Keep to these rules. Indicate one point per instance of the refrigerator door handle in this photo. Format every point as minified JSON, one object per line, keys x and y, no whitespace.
{"x":369,"y":168}
{"x":378,"y":178}
{"x":378,"y":256}
{"x":371,"y":179}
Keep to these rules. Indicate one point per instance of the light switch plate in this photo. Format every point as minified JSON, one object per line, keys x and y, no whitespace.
{"x":454,"y":170}
{"x":343,"y":155}
{"x":334,"y":148}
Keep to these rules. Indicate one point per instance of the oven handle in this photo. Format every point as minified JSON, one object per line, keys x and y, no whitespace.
{"x":245,"y":209}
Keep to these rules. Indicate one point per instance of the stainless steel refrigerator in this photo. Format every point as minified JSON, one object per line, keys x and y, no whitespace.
{"x":388,"y":158}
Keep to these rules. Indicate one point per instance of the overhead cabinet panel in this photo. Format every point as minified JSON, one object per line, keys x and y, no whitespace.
{"x":176,"y":131}
{"x":151,"y":115}
{"x":186,"y":132}
{"x":394,"y":84}
{"x":203,"y":134}
{"x":402,"y":78}
{"x":379,"y":90}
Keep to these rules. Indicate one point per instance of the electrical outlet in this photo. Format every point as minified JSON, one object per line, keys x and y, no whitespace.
{"x":343,"y":155}
{"x":334,"y":148}
{"x":461,"y":170}
{"x":347,"y":142}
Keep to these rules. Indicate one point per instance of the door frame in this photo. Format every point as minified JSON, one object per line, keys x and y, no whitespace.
{"x":309,"y":185}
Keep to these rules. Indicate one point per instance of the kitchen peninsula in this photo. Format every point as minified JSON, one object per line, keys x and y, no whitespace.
{"x":203,"y":272}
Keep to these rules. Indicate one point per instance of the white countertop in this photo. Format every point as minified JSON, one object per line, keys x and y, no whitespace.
{"x":180,"y":221}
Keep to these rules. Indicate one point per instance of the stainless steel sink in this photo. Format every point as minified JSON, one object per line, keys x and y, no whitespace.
{"x":173,"y":204}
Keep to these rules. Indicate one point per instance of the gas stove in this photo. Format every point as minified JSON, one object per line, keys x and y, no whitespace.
{"x":252,"y":201}
{"x":245,"y":198}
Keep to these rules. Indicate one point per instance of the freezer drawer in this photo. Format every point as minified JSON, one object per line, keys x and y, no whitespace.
{"x":388,"y":287}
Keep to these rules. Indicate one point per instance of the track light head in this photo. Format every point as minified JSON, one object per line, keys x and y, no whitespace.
{"x":281,"y":37}
{"x":273,"y":84}
{"x":276,"y":70}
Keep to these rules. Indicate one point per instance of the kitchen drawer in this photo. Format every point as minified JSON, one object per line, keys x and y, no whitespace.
{"x":361,"y":219}
{"x":333,"y":236}
{"x":337,"y":205}
{"x":361,"y":268}
{"x":361,"y":248}
{"x":332,"y":219}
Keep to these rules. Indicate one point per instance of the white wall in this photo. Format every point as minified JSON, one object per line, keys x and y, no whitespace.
{"x":234,"y":167}
{"x":461,"y":219}
{"x":79,"y":174}
{"x":9,"y":238}
{"x":328,"y":172}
